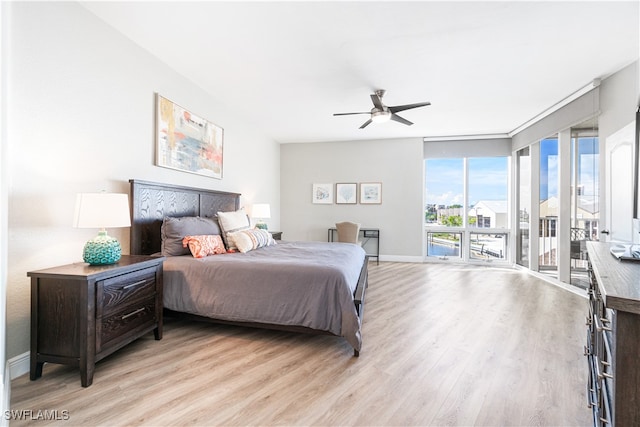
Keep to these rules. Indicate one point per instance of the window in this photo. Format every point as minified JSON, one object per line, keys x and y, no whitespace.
{"x":445,"y":192}
{"x":488,"y":247}
{"x":444,"y":245}
{"x":467,"y":194}
{"x":488,"y":177}
{"x":523,"y":199}
{"x":548,"y":203}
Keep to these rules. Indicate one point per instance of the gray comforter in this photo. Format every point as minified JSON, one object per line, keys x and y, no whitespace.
{"x":307,"y":284}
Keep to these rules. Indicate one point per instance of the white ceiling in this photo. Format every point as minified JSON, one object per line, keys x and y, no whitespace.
{"x":486,"y":67}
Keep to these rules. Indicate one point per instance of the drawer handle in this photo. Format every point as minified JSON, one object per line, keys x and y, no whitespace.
{"x":605,"y":320}
{"x":604,"y":420}
{"x":133,"y":313}
{"x":587,"y":352}
{"x":602,"y":328}
{"x":588,"y":321}
{"x":132,"y":285}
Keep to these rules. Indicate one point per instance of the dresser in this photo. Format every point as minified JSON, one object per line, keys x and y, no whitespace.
{"x":613,"y":338}
{"x":81,"y":313}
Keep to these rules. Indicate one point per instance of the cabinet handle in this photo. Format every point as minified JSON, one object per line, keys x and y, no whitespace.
{"x":590,"y":402}
{"x":602,"y":328}
{"x":132,"y":285}
{"x":133,"y":313}
{"x":605,"y":375}
{"x":604,"y":420}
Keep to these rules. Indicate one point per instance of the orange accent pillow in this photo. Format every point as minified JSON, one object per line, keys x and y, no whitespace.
{"x":205,"y":245}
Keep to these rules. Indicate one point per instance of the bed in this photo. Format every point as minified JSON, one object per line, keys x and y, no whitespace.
{"x":311,"y":287}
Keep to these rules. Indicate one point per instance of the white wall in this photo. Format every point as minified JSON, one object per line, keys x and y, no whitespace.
{"x":80,"y":118}
{"x":397,"y":164}
{"x":4,"y":371}
{"x":618,"y":104}
{"x":618,"y":100}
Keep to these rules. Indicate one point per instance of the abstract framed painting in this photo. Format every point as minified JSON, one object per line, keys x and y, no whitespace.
{"x":187,"y":142}
{"x":322,"y":194}
{"x":371,"y":193}
{"x":346,"y":193}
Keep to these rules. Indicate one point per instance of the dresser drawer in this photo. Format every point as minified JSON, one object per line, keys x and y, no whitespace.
{"x":113,"y":294}
{"x":131,"y":318}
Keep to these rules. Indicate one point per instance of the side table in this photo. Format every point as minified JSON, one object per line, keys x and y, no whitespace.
{"x":81,"y":313}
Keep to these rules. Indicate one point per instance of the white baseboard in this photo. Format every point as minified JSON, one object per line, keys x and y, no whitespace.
{"x":19,"y":365}
{"x":5,"y":395}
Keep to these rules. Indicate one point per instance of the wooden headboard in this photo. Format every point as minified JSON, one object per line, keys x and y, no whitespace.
{"x":152,"y":201}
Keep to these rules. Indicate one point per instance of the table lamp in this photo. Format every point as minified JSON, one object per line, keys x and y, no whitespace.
{"x":260,"y":211}
{"x":102,"y":210}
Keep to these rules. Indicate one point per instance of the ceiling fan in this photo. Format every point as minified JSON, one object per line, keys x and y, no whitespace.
{"x":381,"y":113}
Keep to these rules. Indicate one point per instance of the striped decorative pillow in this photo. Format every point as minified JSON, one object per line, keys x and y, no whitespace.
{"x":232,"y":222}
{"x":248,"y":240}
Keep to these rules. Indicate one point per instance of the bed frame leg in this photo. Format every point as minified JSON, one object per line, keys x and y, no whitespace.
{"x":356,"y":353}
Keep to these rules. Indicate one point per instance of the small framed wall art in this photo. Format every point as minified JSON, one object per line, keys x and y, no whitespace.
{"x":346,"y":193}
{"x":370,"y":193}
{"x":322,"y":194}
{"x":187,"y":142}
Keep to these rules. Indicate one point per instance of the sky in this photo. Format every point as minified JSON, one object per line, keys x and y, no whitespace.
{"x":488,"y":176}
{"x":488,"y":179}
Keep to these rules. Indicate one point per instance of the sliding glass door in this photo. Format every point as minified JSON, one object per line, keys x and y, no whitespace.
{"x":585,"y":206}
{"x":548,"y":227}
{"x":523,"y":200}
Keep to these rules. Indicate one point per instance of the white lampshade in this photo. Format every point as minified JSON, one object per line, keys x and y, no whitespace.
{"x":102,"y":210}
{"x":261,"y":210}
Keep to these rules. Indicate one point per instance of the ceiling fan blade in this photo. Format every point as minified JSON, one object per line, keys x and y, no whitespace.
{"x":349,"y":114}
{"x":399,"y":108}
{"x":365,"y":124}
{"x":377,"y":102}
{"x":397,"y":118}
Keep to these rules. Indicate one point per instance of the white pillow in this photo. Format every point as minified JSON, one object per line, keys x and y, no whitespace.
{"x":232,"y":222}
{"x":248,"y":240}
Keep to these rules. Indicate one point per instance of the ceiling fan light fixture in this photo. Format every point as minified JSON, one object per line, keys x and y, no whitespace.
{"x":380,"y":116}
{"x":380,"y":113}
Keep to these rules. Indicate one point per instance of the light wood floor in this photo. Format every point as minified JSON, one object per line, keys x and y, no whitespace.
{"x":442,"y":345}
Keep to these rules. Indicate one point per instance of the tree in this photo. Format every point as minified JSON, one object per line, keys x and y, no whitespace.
{"x":452,"y":221}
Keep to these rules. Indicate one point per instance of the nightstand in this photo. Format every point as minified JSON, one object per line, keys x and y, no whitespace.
{"x":81,"y":313}
{"x":277,"y":235}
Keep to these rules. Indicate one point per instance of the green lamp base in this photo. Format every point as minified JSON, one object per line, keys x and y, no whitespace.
{"x":102,"y":250}
{"x":261,"y":225}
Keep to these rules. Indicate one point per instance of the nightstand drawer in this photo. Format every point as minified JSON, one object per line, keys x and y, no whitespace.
{"x":129,"y":318}
{"x":114,"y":293}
